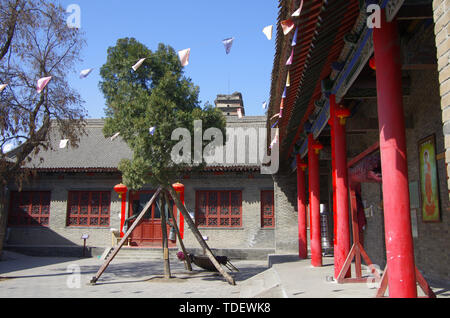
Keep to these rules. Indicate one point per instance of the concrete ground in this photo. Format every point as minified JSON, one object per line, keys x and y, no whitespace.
{"x":24,"y":276}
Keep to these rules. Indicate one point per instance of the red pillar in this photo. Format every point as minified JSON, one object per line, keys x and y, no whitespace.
{"x":339,"y":150}
{"x":333,"y":180}
{"x":394,"y":165}
{"x":123,"y":209}
{"x":301,"y":204}
{"x":314,"y":202}
{"x":179,"y":188}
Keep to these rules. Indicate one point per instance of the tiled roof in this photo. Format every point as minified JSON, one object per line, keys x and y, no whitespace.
{"x":322,"y":27}
{"x":99,"y":154}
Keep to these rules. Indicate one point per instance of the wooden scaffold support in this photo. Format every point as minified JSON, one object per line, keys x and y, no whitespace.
{"x":168,"y":189}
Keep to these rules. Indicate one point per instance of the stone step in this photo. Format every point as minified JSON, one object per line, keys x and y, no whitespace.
{"x":264,"y":285}
{"x":141,"y":254}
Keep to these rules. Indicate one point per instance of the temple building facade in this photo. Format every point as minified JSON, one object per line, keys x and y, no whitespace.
{"x":360,"y":100}
{"x":70,"y":194}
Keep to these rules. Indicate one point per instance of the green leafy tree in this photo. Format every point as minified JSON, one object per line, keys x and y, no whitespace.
{"x":156,"y":95}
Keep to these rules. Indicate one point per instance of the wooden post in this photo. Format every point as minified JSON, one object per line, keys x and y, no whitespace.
{"x":198,"y":235}
{"x":187,"y":261}
{"x":357,"y":250}
{"x":125,"y":238}
{"x":165,"y":241}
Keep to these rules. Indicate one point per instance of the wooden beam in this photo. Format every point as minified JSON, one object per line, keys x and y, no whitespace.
{"x":415,"y":12}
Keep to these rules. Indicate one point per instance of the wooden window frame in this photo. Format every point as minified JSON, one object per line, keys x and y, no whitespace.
{"x":264,"y":216}
{"x":91,"y":217}
{"x":223,"y":216}
{"x":31,"y":217}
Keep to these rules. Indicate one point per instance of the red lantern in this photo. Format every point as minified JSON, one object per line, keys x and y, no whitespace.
{"x":317,"y":147}
{"x":342,"y":113}
{"x":372,"y":64}
{"x":121,"y":189}
{"x":303,"y":166}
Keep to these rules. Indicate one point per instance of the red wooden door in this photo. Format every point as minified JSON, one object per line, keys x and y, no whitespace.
{"x":148,"y":233}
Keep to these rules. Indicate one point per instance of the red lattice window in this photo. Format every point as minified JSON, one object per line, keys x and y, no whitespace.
{"x":218,"y":209}
{"x":267,"y":209}
{"x":89,"y":208}
{"x":29,"y":208}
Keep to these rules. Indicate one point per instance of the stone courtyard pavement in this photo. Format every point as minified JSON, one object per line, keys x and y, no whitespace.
{"x":49,"y":277}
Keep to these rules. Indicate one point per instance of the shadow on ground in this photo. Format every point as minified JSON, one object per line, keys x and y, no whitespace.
{"x":153,"y":271}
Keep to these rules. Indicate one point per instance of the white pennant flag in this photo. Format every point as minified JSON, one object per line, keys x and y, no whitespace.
{"x":298,"y":11}
{"x":63,"y":143}
{"x":184,"y":55}
{"x":138,"y":64}
{"x":275,"y":140}
{"x":287,"y":25}
{"x":85,"y":73}
{"x":268,"y":31}
{"x":228,"y":43}
{"x":2,"y":87}
{"x":264,"y":105}
{"x":42,"y":83}
{"x":115,"y":136}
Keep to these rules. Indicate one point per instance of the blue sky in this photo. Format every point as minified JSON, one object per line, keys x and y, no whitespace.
{"x":197,"y":24}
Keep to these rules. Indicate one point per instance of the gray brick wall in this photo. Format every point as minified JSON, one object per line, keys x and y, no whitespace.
{"x":441,"y":9}
{"x":286,"y":234}
{"x":58,"y":233}
{"x":250,"y":235}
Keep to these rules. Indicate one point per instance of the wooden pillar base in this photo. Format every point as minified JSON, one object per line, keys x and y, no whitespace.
{"x":419,"y":279}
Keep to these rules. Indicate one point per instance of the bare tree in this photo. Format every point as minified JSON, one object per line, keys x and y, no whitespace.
{"x":35,"y":42}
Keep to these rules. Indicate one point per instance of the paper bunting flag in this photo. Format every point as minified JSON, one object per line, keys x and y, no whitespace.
{"x":228,"y":43}
{"x":291,"y":58}
{"x":239,"y":112}
{"x":63,"y":143}
{"x":85,"y":73}
{"x":288,"y":80}
{"x":298,"y":11}
{"x":2,"y":87}
{"x":294,"y":39}
{"x":41,"y":83}
{"x":7,"y":148}
{"x":183,"y":55}
{"x":276,"y":123}
{"x":275,"y":116}
{"x":136,"y":66}
{"x":288,"y":26}
{"x":268,"y":31}
{"x":275,"y":140}
{"x":284,"y":93}
{"x":115,"y":136}
{"x":152,"y":130}
{"x":264,"y":105}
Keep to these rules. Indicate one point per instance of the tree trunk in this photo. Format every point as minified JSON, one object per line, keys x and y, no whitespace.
{"x":165,"y":241}
{"x":198,"y":235}
{"x":187,"y":261}
{"x":3,"y":218}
